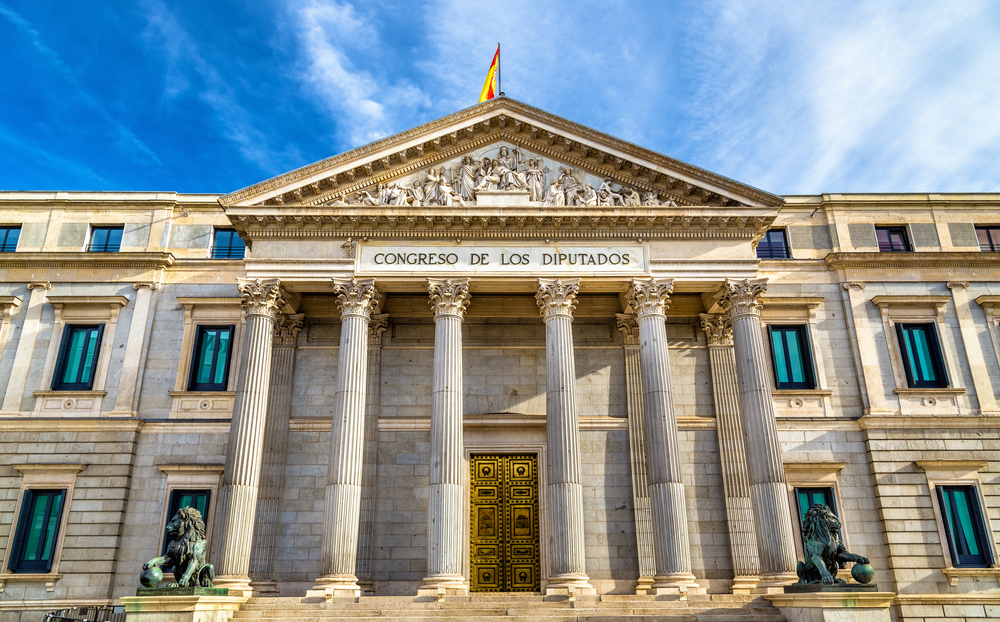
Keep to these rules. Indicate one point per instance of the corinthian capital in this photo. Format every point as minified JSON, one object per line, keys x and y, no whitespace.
{"x":649,"y":296}
{"x":718,"y":332}
{"x":742,"y":297}
{"x":356,"y":297}
{"x":261,"y":296}
{"x":629,"y":328}
{"x":449,"y":296}
{"x":286,"y":329}
{"x":557,"y":297}
{"x":377,"y":326}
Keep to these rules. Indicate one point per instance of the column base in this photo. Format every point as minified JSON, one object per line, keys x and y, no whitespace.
{"x":570,"y":584}
{"x":238,"y":585}
{"x":335,"y":586}
{"x":675,"y":583}
{"x":775,"y":582}
{"x":744,"y":584}
{"x":367,"y":587}
{"x":643,"y":585}
{"x":437,"y":586}
{"x":264,"y":588}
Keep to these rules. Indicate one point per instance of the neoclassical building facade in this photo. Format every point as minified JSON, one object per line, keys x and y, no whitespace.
{"x":500,"y":352}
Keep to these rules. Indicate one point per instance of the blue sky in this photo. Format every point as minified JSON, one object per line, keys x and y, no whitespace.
{"x":790,"y":96}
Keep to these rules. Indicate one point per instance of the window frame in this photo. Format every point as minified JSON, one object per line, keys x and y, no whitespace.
{"x":6,"y":229}
{"x":936,"y":355}
{"x":62,"y":361}
{"x":191,"y":404}
{"x":994,"y":248}
{"x":784,"y":235}
{"x":200,"y":331}
{"x":191,"y":477}
{"x":805,"y":354}
{"x":94,"y":229}
{"x":815,"y":474}
{"x":16,"y":562}
{"x":215,"y":246}
{"x":890,"y":229}
{"x":978,"y":519}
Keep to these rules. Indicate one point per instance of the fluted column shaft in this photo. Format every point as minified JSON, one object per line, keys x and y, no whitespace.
{"x":732,"y":455}
{"x":768,"y":492}
{"x":237,"y":505}
{"x":557,"y":300}
{"x":648,"y":299}
{"x":446,"y":495}
{"x":369,"y":471}
{"x":264,"y":553}
{"x":357,"y":300}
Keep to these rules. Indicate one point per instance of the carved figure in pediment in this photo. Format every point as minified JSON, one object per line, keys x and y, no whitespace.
{"x":416,"y":194}
{"x":338,"y":201}
{"x":554,"y":195}
{"x":590,"y":196}
{"x":486,"y":176}
{"x":366,"y":198}
{"x":447,"y":195}
{"x":505,"y":167}
{"x":603,"y":198}
{"x":431,"y":187}
{"x":616,"y":198}
{"x":650,"y":198}
{"x":466,"y":183}
{"x":535,"y":179}
{"x":571,"y":188}
{"x":632,"y":198}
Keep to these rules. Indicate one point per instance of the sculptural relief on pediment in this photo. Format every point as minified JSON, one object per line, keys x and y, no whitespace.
{"x":506,"y":174}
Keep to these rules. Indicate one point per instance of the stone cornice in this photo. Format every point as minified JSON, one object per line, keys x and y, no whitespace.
{"x":972,"y":259}
{"x":500,"y":118}
{"x":86,"y":260}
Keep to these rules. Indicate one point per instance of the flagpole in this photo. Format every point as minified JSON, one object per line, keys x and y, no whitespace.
{"x":499,"y":74}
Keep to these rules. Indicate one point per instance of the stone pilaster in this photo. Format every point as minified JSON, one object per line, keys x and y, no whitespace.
{"x":127,"y":381}
{"x":637,"y":453}
{"x":648,"y":299}
{"x":732,"y":455}
{"x":568,"y":574}
{"x":25,"y":348}
{"x":446,"y":548}
{"x":237,"y":506}
{"x":366,"y":530}
{"x":358,"y":300}
{"x":264,"y":553}
{"x":768,"y":493}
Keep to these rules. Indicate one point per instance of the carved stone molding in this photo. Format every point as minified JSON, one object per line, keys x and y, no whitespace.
{"x":742,"y":297}
{"x":150,"y":284}
{"x":261,"y":296}
{"x":40,"y":284}
{"x":957,"y":284}
{"x":286,"y":329}
{"x":859,"y":285}
{"x":629,"y":328}
{"x":557,"y":296}
{"x":718,"y":332}
{"x":357,"y":297}
{"x":449,"y":296}
{"x":649,"y":296}
{"x":377,"y":326}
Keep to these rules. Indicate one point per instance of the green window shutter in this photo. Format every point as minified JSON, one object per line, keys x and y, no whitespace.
{"x":908,"y":362}
{"x":22,"y":527}
{"x":937,"y":354}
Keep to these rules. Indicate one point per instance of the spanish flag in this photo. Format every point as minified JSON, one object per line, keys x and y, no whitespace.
{"x":491,"y":78}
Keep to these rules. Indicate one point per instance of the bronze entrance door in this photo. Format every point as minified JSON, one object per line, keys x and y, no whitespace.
{"x":504,"y":523}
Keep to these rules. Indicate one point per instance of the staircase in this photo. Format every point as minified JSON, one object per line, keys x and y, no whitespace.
{"x":520,"y":607}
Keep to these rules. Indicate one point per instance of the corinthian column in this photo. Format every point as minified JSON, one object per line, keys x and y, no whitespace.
{"x":264,"y":553}
{"x":568,"y":573}
{"x":732,"y":456}
{"x":446,"y":496}
{"x":234,"y":516}
{"x":768,"y":494}
{"x":357,"y":301}
{"x":648,"y":299}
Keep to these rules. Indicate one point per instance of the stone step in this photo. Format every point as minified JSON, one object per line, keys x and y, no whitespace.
{"x":575,"y":617}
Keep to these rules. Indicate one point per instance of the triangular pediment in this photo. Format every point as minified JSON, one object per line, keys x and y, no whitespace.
{"x":543,"y":160}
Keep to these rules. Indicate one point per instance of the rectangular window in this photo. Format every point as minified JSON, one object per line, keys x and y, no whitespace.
{"x":922,"y":359}
{"x":791,"y":357}
{"x":212,"y":350}
{"x":8,"y":238}
{"x":989,"y":239}
{"x":77,"y":362}
{"x":892,"y":239}
{"x":964,"y":526}
{"x":228,"y":245}
{"x":105,"y":239}
{"x":197,"y":499}
{"x":37,"y":530}
{"x":774,"y":245}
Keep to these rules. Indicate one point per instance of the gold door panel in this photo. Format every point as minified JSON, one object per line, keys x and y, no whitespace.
{"x":504,"y":523}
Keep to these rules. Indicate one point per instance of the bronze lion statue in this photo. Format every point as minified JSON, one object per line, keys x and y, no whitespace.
{"x":824,"y":551}
{"x":186,"y":551}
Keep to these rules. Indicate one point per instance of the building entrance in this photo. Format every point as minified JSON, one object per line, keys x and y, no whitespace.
{"x":504,"y":523}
